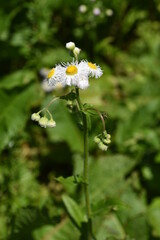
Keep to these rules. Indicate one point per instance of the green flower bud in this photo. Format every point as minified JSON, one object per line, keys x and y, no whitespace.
{"x":43,"y":122}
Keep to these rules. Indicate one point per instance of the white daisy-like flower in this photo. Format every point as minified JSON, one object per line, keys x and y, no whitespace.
{"x":56,"y":77}
{"x":76,"y":75}
{"x":93,"y":69}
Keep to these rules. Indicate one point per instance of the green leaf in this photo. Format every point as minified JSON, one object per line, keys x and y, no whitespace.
{"x":69,"y":183}
{"x":74,"y":211}
{"x":25,"y":222}
{"x":70,"y":96}
{"x":14,"y":114}
{"x":15,"y":79}
{"x":62,"y":231}
{"x":110,"y":227}
{"x":66,"y":128}
{"x":104,"y":206}
{"x":154,"y":216}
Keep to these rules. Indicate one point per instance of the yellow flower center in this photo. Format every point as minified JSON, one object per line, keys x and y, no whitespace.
{"x":71,"y":70}
{"x":91,"y":65}
{"x":51,"y":73}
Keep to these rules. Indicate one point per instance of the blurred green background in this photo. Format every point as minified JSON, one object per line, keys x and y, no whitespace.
{"x":124,"y":38}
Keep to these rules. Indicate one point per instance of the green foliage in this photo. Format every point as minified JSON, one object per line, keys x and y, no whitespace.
{"x":124,"y":182}
{"x":74,"y":211}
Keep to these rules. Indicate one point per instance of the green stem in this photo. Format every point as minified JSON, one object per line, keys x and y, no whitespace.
{"x":85,"y":169}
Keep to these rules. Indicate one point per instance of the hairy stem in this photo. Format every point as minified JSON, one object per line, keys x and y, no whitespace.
{"x":85,"y":166}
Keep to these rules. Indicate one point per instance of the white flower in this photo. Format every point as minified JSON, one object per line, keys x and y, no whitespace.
{"x":35,"y":117}
{"x":96,"y":11}
{"x":75,"y":75}
{"x":92,"y":69}
{"x":70,"y":45}
{"x":82,"y":8}
{"x":51,"y":123}
{"x":56,"y":78}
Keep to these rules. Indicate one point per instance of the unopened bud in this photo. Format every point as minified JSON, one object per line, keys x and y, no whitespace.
{"x":102,"y":146}
{"x":70,"y":45}
{"x":107,"y":141}
{"x":108,"y":136}
{"x":35,"y":117}
{"x":76,"y":51}
{"x":43,"y":122}
{"x":51,"y":123}
{"x":97,"y":139}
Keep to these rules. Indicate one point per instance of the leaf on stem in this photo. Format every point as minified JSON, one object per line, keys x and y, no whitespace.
{"x":74,"y":211}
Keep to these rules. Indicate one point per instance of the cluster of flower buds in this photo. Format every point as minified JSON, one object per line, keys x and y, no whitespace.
{"x":43,"y":121}
{"x":71,"y":46}
{"x":103,"y":140}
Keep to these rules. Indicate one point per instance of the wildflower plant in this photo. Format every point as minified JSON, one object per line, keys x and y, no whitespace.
{"x":76,"y":75}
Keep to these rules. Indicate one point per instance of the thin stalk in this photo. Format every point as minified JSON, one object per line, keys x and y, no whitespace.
{"x":85,"y":166}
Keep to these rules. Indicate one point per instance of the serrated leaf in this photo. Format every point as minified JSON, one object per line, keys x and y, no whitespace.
{"x":74,"y":211}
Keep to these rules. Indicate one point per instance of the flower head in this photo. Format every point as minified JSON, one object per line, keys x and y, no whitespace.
{"x":75,"y":75}
{"x":56,"y":77}
{"x":93,"y":69}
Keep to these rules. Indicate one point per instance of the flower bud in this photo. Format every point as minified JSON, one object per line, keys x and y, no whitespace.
{"x":35,"y":117}
{"x":70,"y":45}
{"x":102,"y":146}
{"x":43,"y":122}
{"x":97,"y":139}
{"x":51,"y":123}
{"x":108,"y":136}
{"x":106,"y":141}
{"x":76,"y":51}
